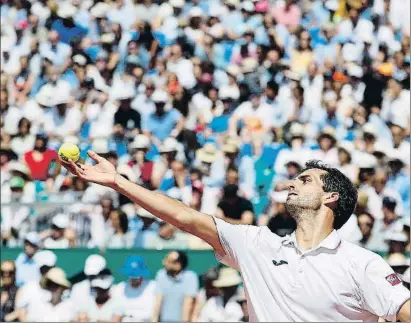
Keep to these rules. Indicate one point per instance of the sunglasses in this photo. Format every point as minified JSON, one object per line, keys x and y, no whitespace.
{"x":7,"y":272}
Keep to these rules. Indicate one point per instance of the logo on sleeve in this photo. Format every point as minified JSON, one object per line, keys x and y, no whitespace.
{"x":393,"y":279}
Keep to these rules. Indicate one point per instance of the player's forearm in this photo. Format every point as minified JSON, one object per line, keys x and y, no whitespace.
{"x":164,"y":207}
{"x":404,"y":313}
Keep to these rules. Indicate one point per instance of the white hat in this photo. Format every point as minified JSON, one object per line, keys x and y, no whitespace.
{"x":355,"y":70}
{"x":294,"y":76}
{"x":100,"y":146}
{"x":66,"y":10}
{"x":15,"y":166}
{"x":279,"y":197}
{"x":347,"y":146}
{"x":45,"y":258}
{"x":61,"y":221}
{"x":228,"y":92}
{"x":33,"y":238}
{"x":100,"y":10}
{"x":385,"y":35}
{"x":124,"y":93}
{"x":160,"y":96}
{"x":330,"y":96}
{"x":249,"y":65}
{"x":227,"y":277}
{"x":217,"y":31}
{"x":94,"y":265}
{"x":140,"y":142}
{"x":196,"y":12}
{"x":58,"y":276}
{"x":143,"y":213}
{"x":396,"y":154}
{"x":72,"y":139}
{"x":80,"y":60}
{"x":170,"y":144}
{"x":177,"y":3}
{"x":209,"y":153}
{"x":233,"y":70}
{"x":405,"y":277}
{"x":232,"y":2}
{"x":395,"y":236}
{"x":103,"y":282}
{"x":165,"y":10}
{"x":296,"y":130}
{"x":332,"y":5}
{"x":61,"y":97}
{"x":248,"y":6}
{"x":364,"y":160}
{"x":45,"y":95}
{"x":127,"y":171}
{"x":107,"y":38}
{"x":398,"y":260}
{"x":350,"y":52}
{"x":370,"y":129}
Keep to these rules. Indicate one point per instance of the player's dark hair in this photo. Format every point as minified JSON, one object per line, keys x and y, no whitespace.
{"x":335,"y":181}
{"x":182,"y":259}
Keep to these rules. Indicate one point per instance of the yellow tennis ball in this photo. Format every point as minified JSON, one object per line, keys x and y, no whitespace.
{"x":68,"y":152}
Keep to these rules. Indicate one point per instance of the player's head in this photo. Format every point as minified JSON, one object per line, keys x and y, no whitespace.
{"x":320,"y":186}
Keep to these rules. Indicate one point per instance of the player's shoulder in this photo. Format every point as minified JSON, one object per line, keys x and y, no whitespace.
{"x":357,"y":256}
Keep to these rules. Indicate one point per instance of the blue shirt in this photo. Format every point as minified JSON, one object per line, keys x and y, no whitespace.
{"x":68,"y":34}
{"x":26,"y":270}
{"x":161,"y":127}
{"x":174,"y":290}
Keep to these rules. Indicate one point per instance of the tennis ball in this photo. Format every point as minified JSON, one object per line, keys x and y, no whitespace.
{"x":68,"y":152}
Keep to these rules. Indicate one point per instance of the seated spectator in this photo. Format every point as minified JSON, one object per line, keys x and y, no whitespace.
{"x":146,"y":227}
{"x":26,"y":267}
{"x":224,"y":308}
{"x":234,"y":208}
{"x":100,"y":222}
{"x":8,"y":293}
{"x":396,"y":242}
{"x":56,"y":237}
{"x":137,"y":294}
{"x":176,"y":288}
{"x":24,"y":140}
{"x":126,"y":119}
{"x":120,"y":237}
{"x":102,"y":306}
{"x":206,"y":292}
{"x":82,"y":290}
{"x":49,"y":304}
{"x":168,"y":237}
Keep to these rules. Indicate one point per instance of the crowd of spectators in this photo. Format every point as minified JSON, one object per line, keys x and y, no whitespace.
{"x":216,"y":103}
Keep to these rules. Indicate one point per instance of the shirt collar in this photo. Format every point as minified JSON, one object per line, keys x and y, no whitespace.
{"x":332,"y":241}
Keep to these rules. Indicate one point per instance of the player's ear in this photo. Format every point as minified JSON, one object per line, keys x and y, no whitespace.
{"x":331,"y":198}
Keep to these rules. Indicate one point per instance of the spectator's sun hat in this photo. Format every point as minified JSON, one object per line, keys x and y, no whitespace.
{"x":370,"y":129}
{"x":61,"y":221}
{"x":135,"y":267}
{"x":228,"y":277}
{"x":209,"y":153}
{"x":398,"y":260}
{"x":196,"y":12}
{"x":346,"y":146}
{"x":33,"y":238}
{"x":140,"y":142}
{"x":405,"y":277}
{"x":100,"y":146}
{"x":297,"y":131}
{"x":355,"y":71}
{"x":80,"y":60}
{"x":45,"y":96}
{"x":100,"y":10}
{"x":249,"y":65}
{"x":127,"y":171}
{"x":329,"y":133}
{"x":233,"y":70}
{"x":332,"y":5}
{"x":230,"y":146}
{"x":177,"y":3}
{"x":364,"y":160}
{"x":66,"y":10}
{"x":102,"y":282}
{"x":247,"y":6}
{"x":20,"y":168}
{"x":169,"y":145}
{"x":160,"y":96}
{"x":395,"y":236}
{"x":45,"y":258}
{"x":232,"y":3}
{"x":94,"y":265}
{"x":396,"y":155}
{"x":16,"y":182}
{"x":143,"y":213}
{"x":58,"y":276}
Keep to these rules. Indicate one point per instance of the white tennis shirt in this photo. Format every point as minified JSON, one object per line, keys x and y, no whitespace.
{"x":335,"y":281}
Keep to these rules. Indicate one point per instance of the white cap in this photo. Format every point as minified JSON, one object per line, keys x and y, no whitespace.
{"x":94,"y":265}
{"x":350,"y":52}
{"x":330,"y":96}
{"x":196,"y":12}
{"x":100,"y":146}
{"x":127,"y":171}
{"x":233,"y":69}
{"x":405,"y":277}
{"x":66,"y":10}
{"x":398,"y":260}
{"x":370,"y":129}
{"x":45,"y":258}
{"x":160,"y":96}
{"x":123,"y":93}
{"x":332,"y":5}
{"x":100,"y":10}
{"x":140,"y":142}
{"x":61,"y":221}
{"x":348,"y":146}
{"x":355,"y":70}
{"x":248,"y":6}
{"x":170,"y":144}
{"x":103,"y":282}
{"x":296,"y":130}
{"x":364,"y":160}
{"x":396,"y":154}
{"x":33,"y":238}
{"x":45,"y":95}
{"x":72,"y":139}
{"x":80,"y":59}
{"x":395,"y":236}
{"x":177,"y":3}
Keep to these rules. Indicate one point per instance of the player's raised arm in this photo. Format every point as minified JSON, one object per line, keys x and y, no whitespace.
{"x":167,"y":209}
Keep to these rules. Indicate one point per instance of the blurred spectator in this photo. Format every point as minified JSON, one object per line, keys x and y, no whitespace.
{"x":82,"y":290}
{"x":406,"y":278}
{"x":103,"y":306}
{"x":100,"y":222}
{"x":50,"y":305}
{"x":26,"y":267}
{"x":206,"y":292}
{"x":224,"y":308}
{"x":168,"y":237}
{"x":120,"y":237}
{"x":56,"y":237}
{"x":137,"y":294}
{"x":146,"y":227}
{"x":396,"y":242}
{"x":234,"y":208}
{"x":8,"y":292}
{"x":176,"y":288}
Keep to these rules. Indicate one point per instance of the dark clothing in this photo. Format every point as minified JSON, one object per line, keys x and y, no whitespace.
{"x":235,"y":210}
{"x":129,"y":119}
{"x":282,"y":224}
{"x":374,"y":87}
{"x":8,"y":306}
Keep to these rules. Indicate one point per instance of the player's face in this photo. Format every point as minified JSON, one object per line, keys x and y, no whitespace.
{"x":305,"y":192}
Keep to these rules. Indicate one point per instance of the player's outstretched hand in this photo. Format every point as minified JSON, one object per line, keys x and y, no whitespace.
{"x":103,"y":172}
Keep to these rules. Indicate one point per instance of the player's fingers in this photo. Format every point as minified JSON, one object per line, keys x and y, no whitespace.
{"x":94,"y":156}
{"x":75,"y":169}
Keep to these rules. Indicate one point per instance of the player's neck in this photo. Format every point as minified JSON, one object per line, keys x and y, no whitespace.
{"x":311,"y":230}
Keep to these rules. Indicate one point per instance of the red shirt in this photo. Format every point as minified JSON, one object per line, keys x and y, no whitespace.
{"x":40,"y":168}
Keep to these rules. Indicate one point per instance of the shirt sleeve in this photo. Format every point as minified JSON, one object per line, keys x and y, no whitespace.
{"x":383,"y":292}
{"x":191,"y":286}
{"x":234,"y":238}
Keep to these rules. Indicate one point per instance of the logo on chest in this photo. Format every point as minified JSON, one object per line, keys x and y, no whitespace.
{"x":279,"y":263}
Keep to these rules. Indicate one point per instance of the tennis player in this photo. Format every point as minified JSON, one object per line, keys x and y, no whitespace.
{"x":311,"y":275}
